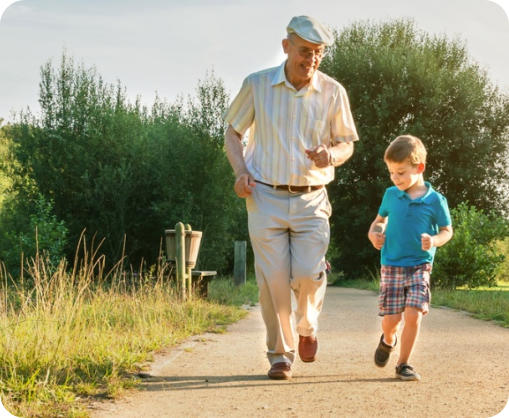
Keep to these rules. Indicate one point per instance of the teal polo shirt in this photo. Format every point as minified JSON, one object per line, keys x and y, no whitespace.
{"x":408,"y":219}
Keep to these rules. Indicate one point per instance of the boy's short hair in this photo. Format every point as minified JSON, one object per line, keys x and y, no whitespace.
{"x":406,"y":147}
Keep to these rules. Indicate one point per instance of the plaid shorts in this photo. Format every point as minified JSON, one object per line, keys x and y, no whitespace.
{"x":404,"y":286}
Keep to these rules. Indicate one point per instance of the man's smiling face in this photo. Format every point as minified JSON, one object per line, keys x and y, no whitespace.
{"x":303,"y":59}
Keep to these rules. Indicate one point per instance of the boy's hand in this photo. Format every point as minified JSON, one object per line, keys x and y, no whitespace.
{"x":426,"y":242}
{"x":377,"y":236}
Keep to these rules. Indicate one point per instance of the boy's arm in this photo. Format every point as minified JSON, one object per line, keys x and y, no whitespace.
{"x":428,"y":241}
{"x":376,"y":232}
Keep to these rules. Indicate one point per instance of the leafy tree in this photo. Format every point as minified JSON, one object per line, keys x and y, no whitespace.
{"x":471,"y":258}
{"x":4,"y":150}
{"x":124,"y":172}
{"x":399,"y":81}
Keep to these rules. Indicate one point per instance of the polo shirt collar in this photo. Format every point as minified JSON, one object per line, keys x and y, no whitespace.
{"x":280,"y":78}
{"x":402,"y":194}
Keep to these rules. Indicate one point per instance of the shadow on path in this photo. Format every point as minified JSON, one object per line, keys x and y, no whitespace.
{"x":162,"y":383}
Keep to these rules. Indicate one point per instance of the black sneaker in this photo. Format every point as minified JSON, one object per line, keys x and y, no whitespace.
{"x":406,"y":372}
{"x":383,"y":352}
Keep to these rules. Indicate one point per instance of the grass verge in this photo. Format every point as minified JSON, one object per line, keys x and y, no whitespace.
{"x":490,"y":304}
{"x":224,"y":291}
{"x":69,"y":335}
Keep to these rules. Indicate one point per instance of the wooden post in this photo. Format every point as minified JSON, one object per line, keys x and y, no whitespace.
{"x":239,"y":267}
{"x":189,"y":279}
{"x":180,"y":257}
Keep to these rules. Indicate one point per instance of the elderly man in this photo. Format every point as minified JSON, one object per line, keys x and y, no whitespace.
{"x":300,"y":128}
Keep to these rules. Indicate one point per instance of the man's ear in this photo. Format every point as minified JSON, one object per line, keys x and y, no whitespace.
{"x":284,"y":42}
{"x":421,"y":167}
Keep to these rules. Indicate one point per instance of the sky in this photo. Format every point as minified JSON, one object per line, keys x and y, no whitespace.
{"x":167,"y":46}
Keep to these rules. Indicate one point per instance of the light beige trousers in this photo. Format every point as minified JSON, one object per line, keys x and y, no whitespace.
{"x":289,"y":234}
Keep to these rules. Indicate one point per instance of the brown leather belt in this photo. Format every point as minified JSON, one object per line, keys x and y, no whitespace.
{"x":292,"y":189}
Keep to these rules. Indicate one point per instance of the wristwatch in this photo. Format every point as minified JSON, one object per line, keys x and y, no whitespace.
{"x":332,"y":159}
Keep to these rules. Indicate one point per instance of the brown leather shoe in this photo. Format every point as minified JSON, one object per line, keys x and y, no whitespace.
{"x":307,"y":348}
{"x":280,"y":371}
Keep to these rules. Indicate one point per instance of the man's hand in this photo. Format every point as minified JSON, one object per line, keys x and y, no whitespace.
{"x":244,"y":185}
{"x":320,"y":156}
{"x":427,"y":242}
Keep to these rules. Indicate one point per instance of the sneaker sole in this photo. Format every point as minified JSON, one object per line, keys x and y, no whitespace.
{"x":408,"y":378}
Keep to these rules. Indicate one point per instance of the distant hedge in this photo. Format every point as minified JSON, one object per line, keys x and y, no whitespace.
{"x":119,"y":170}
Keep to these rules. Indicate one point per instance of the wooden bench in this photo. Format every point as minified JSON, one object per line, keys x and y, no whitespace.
{"x":200,"y":281}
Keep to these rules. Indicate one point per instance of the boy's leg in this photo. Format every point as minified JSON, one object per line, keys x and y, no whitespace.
{"x":413,"y":317}
{"x":391,"y":303}
{"x":417,"y":304}
{"x":390,"y":326}
{"x":391,"y":300}
{"x":418,"y":298}
{"x":387,"y":342}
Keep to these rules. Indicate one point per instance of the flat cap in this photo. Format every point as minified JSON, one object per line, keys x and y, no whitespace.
{"x":310,"y":29}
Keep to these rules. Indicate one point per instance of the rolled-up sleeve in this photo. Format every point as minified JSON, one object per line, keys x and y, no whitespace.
{"x":241,"y":113}
{"x":342,"y":125}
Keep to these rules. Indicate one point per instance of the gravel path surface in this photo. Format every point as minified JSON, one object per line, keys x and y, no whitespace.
{"x":464,"y":364}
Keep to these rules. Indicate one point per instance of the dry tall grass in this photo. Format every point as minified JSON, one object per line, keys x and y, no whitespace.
{"x":69,"y":333}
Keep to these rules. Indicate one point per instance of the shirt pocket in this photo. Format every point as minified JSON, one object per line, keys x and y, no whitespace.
{"x":318,"y":133}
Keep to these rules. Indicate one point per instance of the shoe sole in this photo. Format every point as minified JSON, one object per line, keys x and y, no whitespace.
{"x":408,"y":378}
{"x":280,"y":377}
{"x":382,"y":363}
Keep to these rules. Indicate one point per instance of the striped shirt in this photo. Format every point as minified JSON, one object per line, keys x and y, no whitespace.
{"x":282,"y":123}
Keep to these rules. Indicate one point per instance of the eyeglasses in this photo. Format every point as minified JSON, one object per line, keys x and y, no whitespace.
{"x":307,"y":53}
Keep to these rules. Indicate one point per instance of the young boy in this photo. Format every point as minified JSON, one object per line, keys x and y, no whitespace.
{"x":412,"y":221}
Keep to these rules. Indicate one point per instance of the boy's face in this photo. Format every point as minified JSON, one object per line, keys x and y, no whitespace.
{"x":405,"y":175}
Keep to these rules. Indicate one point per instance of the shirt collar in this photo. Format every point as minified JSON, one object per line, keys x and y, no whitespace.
{"x":280,"y":78}
{"x":402,"y":194}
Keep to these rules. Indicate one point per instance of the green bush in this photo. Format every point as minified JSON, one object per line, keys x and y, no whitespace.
{"x":471,"y":258}
{"x":503,"y":247}
{"x":43,"y":234}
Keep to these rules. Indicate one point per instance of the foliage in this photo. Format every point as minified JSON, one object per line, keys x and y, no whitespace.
{"x":471,"y":258}
{"x":400,"y":80}
{"x":43,"y":234}
{"x":124,"y":172}
{"x":4,"y":179}
{"x":503,"y":248}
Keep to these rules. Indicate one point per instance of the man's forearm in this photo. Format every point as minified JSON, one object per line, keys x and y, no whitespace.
{"x":340,"y":153}
{"x":234,"y":151}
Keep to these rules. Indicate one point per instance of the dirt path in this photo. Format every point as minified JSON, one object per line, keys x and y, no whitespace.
{"x":464,"y":363}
